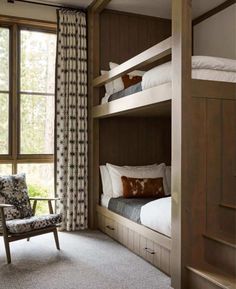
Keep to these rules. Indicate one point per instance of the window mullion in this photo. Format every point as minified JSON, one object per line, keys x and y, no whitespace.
{"x":14,"y":99}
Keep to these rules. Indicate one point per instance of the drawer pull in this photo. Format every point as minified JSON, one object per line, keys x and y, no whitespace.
{"x":110,"y":228}
{"x":150,"y":251}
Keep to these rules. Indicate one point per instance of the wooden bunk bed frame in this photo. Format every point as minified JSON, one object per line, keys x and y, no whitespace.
{"x":190,"y":103}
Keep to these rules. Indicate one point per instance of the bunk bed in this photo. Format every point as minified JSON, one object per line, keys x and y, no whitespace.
{"x":188,"y":102}
{"x":154,"y":101}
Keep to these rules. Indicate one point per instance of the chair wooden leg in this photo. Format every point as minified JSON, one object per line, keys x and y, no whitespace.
{"x":34,"y":210}
{"x":56,"y":239}
{"x":5,"y":236}
{"x":7,"y":249}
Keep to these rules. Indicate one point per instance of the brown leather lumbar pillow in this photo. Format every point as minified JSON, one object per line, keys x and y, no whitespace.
{"x":130,"y":80}
{"x":142,"y":187}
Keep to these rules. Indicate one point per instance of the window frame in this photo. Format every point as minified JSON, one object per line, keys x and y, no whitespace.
{"x":15,"y":25}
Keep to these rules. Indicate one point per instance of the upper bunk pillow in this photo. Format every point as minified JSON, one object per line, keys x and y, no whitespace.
{"x":130,"y":80}
{"x":140,"y":73}
{"x":142,"y":187}
{"x":113,"y":86}
{"x":116,"y":172}
{"x":106,"y":181}
{"x":141,"y":167}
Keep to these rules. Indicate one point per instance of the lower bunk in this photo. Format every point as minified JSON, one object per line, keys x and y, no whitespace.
{"x":146,"y":243}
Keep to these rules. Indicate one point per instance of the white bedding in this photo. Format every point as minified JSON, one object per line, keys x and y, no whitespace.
{"x":105,"y":200}
{"x":203,"y":67}
{"x":157,"y":216}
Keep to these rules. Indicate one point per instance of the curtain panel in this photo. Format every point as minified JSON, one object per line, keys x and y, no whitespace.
{"x":71,"y":137}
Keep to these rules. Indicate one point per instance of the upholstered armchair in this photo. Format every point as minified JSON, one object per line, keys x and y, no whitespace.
{"x":17,"y":217}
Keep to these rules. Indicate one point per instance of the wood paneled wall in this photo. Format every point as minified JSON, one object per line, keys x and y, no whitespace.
{"x":135,"y":141}
{"x":132,"y":141}
{"x":124,"y":35}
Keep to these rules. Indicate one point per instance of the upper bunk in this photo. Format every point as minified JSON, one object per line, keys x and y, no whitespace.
{"x":210,"y":80}
{"x":155,"y":100}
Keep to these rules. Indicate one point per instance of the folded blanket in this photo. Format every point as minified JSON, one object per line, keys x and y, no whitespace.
{"x":203,"y":67}
{"x":216,"y":63}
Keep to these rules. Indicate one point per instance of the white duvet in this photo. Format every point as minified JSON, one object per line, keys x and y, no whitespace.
{"x":157,"y":216}
{"x":203,"y":67}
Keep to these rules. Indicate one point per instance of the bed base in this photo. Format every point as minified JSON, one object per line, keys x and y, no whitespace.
{"x":146,"y":243}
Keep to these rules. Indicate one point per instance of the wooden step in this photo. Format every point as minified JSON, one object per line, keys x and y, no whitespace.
{"x":208,"y":277}
{"x":228,"y":206}
{"x":224,"y":240}
{"x":221,"y":253}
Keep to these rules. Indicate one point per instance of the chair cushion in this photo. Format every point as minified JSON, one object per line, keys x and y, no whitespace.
{"x":18,"y":226}
{"x":13,"y":191}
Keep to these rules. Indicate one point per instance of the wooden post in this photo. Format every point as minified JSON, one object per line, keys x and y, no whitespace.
{"x":93,"y":98}
{"x":181,"y":81}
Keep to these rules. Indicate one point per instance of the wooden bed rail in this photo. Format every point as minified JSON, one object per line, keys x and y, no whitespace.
{"x":148,"y":56}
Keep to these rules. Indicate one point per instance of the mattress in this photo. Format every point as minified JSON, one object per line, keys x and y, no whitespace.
{"x":128,"y":91}
{"x":128,"y":208}
{"x":157,"y":215}
{"x":203,"y":67}
{"x":154,"y":214}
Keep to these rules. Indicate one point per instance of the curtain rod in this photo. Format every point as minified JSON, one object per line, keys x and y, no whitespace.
{"x":50,"y":4}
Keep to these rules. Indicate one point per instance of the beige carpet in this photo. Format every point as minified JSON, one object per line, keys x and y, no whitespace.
{"x":87,"y":260}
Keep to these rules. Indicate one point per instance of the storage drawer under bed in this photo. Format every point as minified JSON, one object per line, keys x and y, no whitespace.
{"x":144,"y":247}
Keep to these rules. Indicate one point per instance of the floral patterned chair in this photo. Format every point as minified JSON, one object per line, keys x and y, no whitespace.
{"x":17,"y":218}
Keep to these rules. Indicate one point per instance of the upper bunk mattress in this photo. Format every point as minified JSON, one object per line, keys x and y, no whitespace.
{"x":203,"y":67}
{"x":128,"y":91}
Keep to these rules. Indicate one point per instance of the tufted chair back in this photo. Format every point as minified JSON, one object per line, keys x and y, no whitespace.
{"x":13,"y":191}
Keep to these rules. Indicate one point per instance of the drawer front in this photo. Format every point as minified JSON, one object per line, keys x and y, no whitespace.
{"x":153,"y":253}
{"x":110,"y":227}
{"x":140,"y":245}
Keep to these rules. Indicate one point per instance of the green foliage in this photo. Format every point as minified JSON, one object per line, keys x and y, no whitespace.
{"x":39,"y":191}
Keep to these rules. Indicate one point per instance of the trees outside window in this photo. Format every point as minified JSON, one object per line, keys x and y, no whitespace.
{"x":27,"y":81}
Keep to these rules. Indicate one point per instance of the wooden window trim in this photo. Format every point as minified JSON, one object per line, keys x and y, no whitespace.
{"x":15,"y":25}
{"x":30,"y":23}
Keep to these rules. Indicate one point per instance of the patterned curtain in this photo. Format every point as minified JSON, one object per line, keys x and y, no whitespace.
{"x":71,"y":119}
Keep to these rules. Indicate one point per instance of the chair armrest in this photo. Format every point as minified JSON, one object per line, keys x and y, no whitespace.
{"x":43,"y":199}
{"x":5,"y":206}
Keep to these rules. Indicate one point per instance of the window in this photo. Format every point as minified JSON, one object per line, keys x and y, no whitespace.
{"x":4,"y":90}
{"x":27,"y":81}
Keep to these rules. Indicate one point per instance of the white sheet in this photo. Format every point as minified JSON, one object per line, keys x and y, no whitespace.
{"x":204,"y":67}
{"x":157,"y":216}
{"x":105,"y":200}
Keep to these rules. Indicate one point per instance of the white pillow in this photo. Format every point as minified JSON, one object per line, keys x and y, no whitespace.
{"x":131,"y":74}
{"x":106,"y":181}
{"x":113,"y":86}
{"x":140,"y":167}
{"x":117,"y":172}
{"x":168,"y":178}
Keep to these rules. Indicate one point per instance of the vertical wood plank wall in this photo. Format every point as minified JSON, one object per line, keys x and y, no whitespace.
{"x":135,"y":141}
{"x":124,"y":35}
